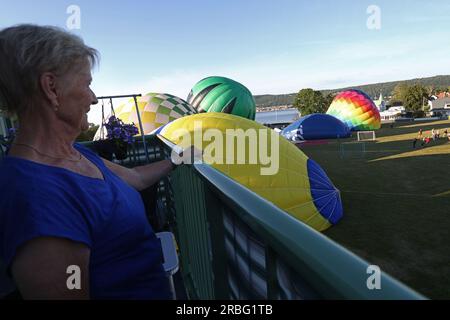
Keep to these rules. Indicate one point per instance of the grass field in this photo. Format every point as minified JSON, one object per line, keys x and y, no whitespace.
{"x":396,"y":203}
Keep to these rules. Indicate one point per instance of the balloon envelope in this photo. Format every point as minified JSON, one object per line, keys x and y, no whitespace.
{"x":155,"y":110}
{"x":220,"y":94}
{"x":299,"y":186}
{"x":316,"y":126}
{"x":356,"y":109}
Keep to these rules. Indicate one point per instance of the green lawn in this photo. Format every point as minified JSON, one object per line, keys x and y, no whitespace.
{"x":396,"y":204}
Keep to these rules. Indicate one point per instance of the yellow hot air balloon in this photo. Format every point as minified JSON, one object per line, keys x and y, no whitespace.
{"x":273,"y":168}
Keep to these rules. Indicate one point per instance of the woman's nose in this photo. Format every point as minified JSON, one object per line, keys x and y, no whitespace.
{"x":95,"y":100}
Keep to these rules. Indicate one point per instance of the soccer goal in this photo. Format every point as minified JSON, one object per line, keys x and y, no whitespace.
{"x":366,"y":136}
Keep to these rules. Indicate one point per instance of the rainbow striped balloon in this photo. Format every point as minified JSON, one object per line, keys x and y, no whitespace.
{"x":356,"y":109}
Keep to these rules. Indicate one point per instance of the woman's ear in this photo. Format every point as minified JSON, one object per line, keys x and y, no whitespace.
{"x":48,"y":86}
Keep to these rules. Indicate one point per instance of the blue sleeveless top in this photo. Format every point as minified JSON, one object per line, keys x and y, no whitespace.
{"x":38,"y":200}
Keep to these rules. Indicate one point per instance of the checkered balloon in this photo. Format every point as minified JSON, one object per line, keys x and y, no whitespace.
{"x":155,"y":109}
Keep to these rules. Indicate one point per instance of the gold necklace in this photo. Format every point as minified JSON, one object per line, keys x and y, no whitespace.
{"x":46,"y":155}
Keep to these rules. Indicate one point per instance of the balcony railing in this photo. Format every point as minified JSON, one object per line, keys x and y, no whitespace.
{"x":233,"y":244}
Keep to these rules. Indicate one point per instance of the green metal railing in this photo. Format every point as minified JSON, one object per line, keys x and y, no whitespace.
{"x":234,"y":244}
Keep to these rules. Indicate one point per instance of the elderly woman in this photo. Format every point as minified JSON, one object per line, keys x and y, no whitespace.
{"x":63,"y":209}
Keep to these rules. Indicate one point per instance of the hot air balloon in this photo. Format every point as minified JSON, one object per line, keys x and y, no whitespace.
{"x":356,"y":109}
{"x":316,"y":126}
{"x":299,"y":186}
{"x":155,"y":109}
{"x":220,"y":94}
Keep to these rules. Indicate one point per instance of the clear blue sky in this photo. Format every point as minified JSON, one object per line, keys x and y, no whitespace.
{"x":269,"y":46}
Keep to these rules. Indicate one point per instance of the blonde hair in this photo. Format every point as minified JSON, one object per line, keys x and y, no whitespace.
{"x":27,"y":51}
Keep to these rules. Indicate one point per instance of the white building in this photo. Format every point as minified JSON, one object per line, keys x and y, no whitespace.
{"x":440,"y":107}
{"x":392,"y":113}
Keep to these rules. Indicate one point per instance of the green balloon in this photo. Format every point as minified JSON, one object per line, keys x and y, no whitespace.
{"x":220,"y":94}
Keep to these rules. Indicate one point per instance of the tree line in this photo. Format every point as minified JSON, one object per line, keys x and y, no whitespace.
{"x":373,"y":90}
{"x":413,"y":97}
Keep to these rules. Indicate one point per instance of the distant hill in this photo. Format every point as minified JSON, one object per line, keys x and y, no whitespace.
{"x":372,"y":90}
{"x":269,"y":100}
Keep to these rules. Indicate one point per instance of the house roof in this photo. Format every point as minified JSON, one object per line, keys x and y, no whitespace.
{"x":443,"y":95}
{"x":440,"y":103}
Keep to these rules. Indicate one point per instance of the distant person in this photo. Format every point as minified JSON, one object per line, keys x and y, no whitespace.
{"x":425,"y":141}
{"x":420,"y":133}
{"x":433,"y":134}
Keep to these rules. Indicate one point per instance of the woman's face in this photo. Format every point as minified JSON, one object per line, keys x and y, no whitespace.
{"x":76,"y":97}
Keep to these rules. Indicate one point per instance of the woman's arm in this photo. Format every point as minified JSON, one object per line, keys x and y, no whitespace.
{"x":40,"y":269}
{"x":141,"y":177}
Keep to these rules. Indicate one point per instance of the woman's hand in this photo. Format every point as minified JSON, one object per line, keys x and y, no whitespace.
{"x":141,"y":177}
{"x":145,"y":176}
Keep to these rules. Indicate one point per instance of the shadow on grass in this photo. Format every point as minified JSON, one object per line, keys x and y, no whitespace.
{"x":376,"y":151}
{"x":412,"y":128}
{"x":396,"y":211}
{"x":406,"y":148}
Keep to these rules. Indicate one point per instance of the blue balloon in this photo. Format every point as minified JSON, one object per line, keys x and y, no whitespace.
{"x":316,"y":126}
{"x":325,"y":195}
